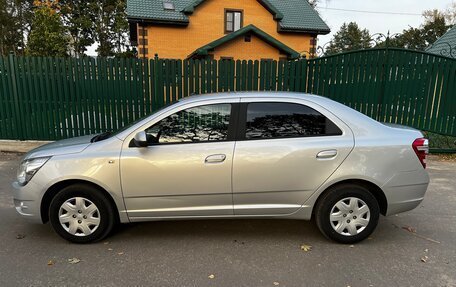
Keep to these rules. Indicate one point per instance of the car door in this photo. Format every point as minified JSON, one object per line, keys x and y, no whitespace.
{"x":186,"y":168}
{"x":285,"y":151}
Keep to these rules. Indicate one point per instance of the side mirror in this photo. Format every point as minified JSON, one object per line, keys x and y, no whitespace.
{"x":140,"y":139}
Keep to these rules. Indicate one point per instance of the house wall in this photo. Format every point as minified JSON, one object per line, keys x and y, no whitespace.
{"x":239,"y":49}
{"x":207,"y":24}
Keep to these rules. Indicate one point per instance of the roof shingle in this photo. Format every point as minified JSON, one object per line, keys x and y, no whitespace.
{"x":293,"y":15}
{"x":445,"y":45}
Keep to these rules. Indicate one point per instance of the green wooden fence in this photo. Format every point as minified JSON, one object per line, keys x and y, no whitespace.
{"x":55,"y":98}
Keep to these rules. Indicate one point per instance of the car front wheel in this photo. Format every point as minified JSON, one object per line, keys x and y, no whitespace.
{"x":81,"y":214}
{"x":347,"y":213}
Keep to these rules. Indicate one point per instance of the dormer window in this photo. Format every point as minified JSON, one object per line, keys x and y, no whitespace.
{"x":233,"y":20}
{"x":167,"y":5}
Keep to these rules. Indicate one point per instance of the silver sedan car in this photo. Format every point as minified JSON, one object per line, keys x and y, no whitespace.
{"x":234,"y":155}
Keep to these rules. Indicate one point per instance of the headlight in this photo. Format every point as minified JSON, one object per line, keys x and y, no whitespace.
{"x":28,"y":168}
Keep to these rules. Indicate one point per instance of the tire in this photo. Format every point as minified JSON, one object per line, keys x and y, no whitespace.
{"x":86,"y":214}
{"x":341,"y":213}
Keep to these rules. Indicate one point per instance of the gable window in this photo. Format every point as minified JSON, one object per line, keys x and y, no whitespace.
{"x":233,"y":20}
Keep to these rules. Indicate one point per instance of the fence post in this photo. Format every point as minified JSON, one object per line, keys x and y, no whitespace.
{"x":386,"y":61}
{"x":383,"y":82}
{"x":155,"y":73}
{"x":17,"y":113}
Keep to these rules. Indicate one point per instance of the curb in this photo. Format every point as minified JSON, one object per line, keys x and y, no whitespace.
{"x":20,"y":146}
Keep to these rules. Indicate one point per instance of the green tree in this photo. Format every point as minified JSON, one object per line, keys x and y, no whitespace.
{"x":350,"y":37}
{"x":450,"y":14}
{"x":14,"y":25}
{"x":78,"y":17}
{"x":313,"y":3}
{"x":111,"y":27}
{"x":419,"y":38}
{"x":48,"y":36}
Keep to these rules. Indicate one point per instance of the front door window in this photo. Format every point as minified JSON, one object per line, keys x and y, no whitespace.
{"x":199,"y":124}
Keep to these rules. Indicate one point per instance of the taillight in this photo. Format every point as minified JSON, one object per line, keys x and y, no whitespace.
{"x":421,"y":148}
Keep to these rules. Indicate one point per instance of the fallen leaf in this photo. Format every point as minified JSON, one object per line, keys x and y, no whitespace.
{"x":50,"y":262}
{"x":74,"y":260}
{"x":276,"y":283}
{"x":424,"y":259}
{"x":20,"y":236}
{"x":409,"y":229}
{"x":212,"y":276}
{"x":306,"y":248}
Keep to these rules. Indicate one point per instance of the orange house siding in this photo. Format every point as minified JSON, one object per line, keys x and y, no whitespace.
{"x":241,"y":50}
{"x":207,"y":24}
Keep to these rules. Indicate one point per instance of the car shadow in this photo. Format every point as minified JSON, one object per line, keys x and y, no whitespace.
{"x":240,"y":229}
{"x":246,"y":228}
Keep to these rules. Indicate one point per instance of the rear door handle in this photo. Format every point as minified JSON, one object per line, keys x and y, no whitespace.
{"x":327,"y":154}
{"x":215,"y":158}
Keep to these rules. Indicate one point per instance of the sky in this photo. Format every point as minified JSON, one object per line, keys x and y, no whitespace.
{"x":376,"y":23}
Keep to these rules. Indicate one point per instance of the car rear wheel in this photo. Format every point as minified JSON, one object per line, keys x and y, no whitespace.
{"x":347,"y":213}
{"x":81,"y":214}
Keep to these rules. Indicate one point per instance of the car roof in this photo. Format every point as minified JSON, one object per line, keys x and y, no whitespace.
{"x":319,"y":100}
{"x":261,"y":94}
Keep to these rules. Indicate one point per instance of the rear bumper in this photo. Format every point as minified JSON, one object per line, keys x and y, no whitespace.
{"x":405,"y":191}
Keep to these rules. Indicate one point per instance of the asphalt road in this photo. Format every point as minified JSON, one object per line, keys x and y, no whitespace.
{"x":237,"y":252}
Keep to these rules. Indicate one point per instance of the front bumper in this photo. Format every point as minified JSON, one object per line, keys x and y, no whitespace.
{"x":27,"y":201}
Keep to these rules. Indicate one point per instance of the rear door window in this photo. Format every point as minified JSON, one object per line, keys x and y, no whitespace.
{"x":286,"y":120}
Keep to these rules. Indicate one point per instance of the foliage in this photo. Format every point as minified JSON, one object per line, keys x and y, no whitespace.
{"x":450,"y":14}
{"x":15,"y":18}
{"x":111,"y":27}
{"x":440,"y":141}
{"x":128,"y":53}
{"x":313,"y":3}
{"x":316,"y":3}
{"x":90,"y":21}
{"x":47,"y":35}
{"x":349,"y":37}
{"x":64,"y":27}
{"x":78,"y":18}
{"x":434,"y":27}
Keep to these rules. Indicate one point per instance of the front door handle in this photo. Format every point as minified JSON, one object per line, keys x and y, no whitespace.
{"x":215,"y":158}
{"x":327,"y":154}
